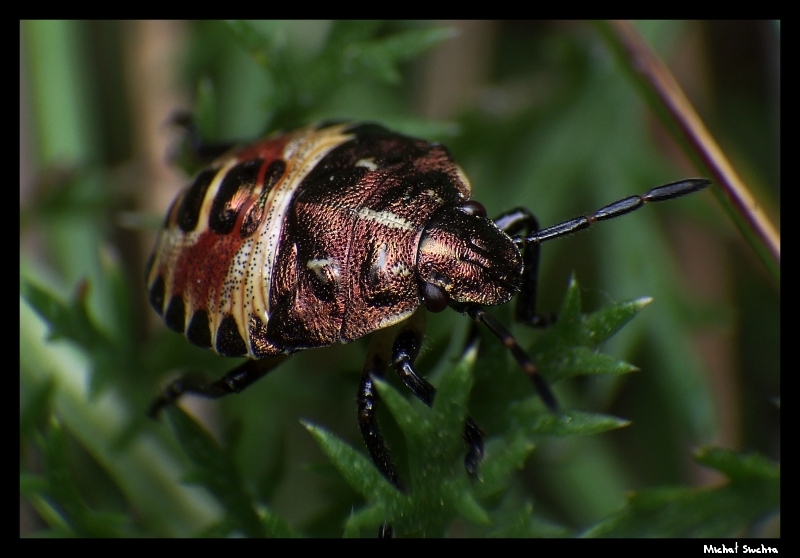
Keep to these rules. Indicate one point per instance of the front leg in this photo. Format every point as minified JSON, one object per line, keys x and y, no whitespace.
{"x":375,"y":367}
{"x":521,"y":221}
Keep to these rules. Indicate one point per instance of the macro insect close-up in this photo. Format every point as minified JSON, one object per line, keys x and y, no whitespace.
{"x":413,"y":337}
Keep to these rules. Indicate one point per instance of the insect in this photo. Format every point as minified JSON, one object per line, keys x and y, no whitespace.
{"x":335,"y":231}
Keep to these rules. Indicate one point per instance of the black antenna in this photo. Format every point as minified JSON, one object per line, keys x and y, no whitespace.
{"x":618,"y":208}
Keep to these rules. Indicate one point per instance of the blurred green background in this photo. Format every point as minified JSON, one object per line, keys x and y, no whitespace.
{"x":538,"y":114}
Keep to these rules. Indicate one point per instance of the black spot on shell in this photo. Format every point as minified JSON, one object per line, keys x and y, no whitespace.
{"x":175,"y":316}
{"x":199,"y":331}
{"x":229,"y":342}
{"x":241,"y":177}
{"x":157,"y":295}
{"x":255,"y":215}
{"x":189,"y":211}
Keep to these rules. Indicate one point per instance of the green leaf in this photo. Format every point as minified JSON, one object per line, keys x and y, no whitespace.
{"x":215,"y":471}
{"x":66,"y":321}
{"x":569,"y":347}
{"x":438,"y":488}
{"x":355,"y":52}
{"x":357,"y":469}
{"x":57,"y":498}
{"x":751,"y":494}
{"x":533,"y":422}
{"x":380,"y":57}
{"x":71,"y":322}
{"x":503,"y":456}
{"x":35,"y":408}
{"x":262,"y":47}
{"x":739,"y":467}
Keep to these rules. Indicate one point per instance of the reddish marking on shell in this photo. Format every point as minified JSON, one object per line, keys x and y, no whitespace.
{"x":263,"y":171}
{"x":269,"y":149}
{"x":211,"y":253}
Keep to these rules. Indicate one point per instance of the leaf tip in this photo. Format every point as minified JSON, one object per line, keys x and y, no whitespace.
{"x":313,"y":429}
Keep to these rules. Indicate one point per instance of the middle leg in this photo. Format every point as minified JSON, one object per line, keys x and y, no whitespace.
{"x":404,"y":354}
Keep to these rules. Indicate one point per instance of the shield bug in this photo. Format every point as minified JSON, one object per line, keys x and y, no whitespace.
{"x":334,"y":231}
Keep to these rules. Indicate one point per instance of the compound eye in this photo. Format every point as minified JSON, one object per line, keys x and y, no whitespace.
{"x":435,"y":297}
{"x":471,"y":207}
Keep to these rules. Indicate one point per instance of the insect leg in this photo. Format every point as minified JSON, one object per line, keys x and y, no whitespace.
{"x":236,"y":380}
{"x":404,"y":353}
{"x":480,"y":315}
{"x":513,"y":223}
{"x":375,"y":367}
